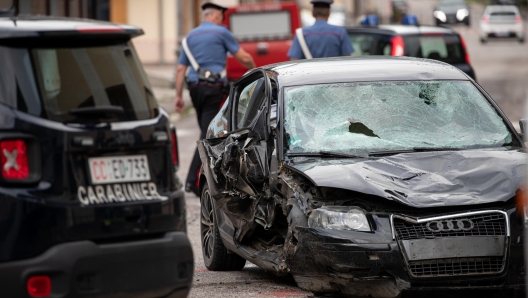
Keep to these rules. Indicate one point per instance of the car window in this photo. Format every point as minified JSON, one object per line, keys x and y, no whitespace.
{"x":249,"y":99}
{"x":382,"y":116}
{"x":264,"y":25}
{"x":77,"y":84}
{"x":451,"y":3}
{"x":362,"y":44}
{"x":366,"y":44}
{"x":446,"y":48}
{"x":503,"y":13}
{"x":502,"y":17}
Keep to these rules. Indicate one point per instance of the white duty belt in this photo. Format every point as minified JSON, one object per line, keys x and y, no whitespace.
{"x":302,"y":42}
{"x":195,"y":64}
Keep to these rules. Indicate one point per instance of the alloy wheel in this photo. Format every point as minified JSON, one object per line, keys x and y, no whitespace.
{"x":207,"y":224}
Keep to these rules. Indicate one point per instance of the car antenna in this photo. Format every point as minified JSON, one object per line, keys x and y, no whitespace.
{"x":10,"y":12}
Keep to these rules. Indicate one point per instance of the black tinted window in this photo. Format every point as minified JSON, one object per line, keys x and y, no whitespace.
{"x":366,"y":44}
{"x":93,"y":84}
{"x":503,"y":13}
{"x":446,"y":48}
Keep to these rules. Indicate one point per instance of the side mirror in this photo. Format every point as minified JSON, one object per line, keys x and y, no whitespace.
{"x":523,"y":124}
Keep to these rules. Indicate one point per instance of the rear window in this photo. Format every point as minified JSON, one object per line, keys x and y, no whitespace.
{"x":446,"y":48}
{"x":78,"y":84}
{"x":503,"y":13}
{"x":366,"y":44}
{"x":261,"y":26}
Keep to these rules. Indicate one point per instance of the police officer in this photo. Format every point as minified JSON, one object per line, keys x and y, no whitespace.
{"x":208,"y":44}
{"x":322,"y":39}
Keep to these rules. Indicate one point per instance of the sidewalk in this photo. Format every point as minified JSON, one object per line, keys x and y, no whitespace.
{"x":162,"y":80}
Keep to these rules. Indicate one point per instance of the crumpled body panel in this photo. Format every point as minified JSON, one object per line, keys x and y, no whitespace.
{"x":427,"y":179}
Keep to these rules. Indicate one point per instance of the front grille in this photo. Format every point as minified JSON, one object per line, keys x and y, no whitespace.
{"x":457,"y":266}
{"x":493,"y":224}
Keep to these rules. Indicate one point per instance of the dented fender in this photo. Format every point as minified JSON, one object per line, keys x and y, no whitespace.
{"x":207,"y":170}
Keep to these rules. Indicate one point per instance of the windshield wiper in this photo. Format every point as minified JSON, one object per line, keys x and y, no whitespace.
{"x":98,"y":111}
{"x":326,"y":154}
{"x":427,"y":149}
{"x":415,"y":149}
{"x":390,"y":152}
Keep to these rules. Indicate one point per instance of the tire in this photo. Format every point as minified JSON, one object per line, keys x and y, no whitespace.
{"x":521,"y":40}
{"x":482,"y":40}
{"x":215,"y":254}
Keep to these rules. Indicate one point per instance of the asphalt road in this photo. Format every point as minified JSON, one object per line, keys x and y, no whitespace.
{"x":501,"y":68}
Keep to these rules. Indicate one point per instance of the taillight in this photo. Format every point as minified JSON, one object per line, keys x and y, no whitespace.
{"x":14,"y":159}
{"x":485,"y":20}
{"x":518,"y":20}
{"x":175,"y":148}
{"x":39,"y":286}
{"x":19,"y":159}
{"x":465,"y":48}
{"x":397,"y":46}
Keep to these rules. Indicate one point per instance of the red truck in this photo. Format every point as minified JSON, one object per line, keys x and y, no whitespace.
{"x":264,"y":30}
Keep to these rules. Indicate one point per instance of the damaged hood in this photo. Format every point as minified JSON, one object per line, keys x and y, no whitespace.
{"x":426,"y":179}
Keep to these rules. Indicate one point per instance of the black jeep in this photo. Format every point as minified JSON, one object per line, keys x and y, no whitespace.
{"x":90,"y":204}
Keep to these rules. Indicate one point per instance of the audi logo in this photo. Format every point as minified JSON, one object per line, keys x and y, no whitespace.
{"x":450,"y":225}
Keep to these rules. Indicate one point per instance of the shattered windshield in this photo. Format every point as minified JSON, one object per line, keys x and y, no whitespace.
{"x":386,"y":116}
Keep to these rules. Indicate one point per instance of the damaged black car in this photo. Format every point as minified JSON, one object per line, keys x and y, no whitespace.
{"x":366,"y":177}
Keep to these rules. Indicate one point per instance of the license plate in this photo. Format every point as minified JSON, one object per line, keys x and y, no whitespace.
{"x":502,"y":34}
{"x":116,"y":169}
{"x":454,"y":247}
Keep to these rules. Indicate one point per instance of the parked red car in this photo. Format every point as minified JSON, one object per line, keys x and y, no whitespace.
{"x":265,"y":30}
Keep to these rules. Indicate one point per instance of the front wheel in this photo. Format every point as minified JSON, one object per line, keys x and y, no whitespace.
{"x":215,"y":254}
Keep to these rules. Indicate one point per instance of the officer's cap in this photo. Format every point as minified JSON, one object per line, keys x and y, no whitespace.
{"x":207,"y":5}
{"x":322,"y":3}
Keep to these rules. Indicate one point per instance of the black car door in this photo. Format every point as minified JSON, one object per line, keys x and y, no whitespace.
{"x":236,"y":165}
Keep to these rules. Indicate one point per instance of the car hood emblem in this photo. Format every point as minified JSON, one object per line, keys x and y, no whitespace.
{"x":453,"y":225}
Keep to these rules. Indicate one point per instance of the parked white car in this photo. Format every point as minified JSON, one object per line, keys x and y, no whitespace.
{"x":501,"y":21}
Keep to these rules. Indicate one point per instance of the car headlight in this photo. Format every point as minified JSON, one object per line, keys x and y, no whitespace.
{"x":339,"y":218}
{"x":440,"y":15}
{"x":461,"y":14}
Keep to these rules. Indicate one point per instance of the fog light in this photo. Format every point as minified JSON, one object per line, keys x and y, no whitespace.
{"x":339,"y":218}
{"x":39,"y":286}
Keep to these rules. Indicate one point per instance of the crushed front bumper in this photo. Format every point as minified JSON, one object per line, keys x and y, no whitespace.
{"x":161,"y":267}
{"x":377,"y":264}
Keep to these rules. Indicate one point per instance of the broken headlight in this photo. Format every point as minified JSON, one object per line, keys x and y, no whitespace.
{"x":339,"y":218}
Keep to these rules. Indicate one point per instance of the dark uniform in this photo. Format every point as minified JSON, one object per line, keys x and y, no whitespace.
{"x":209,"y":44}
{"x":323,"y":39}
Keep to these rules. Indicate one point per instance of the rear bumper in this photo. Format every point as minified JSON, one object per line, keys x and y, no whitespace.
{"x":501,"y":31}
{"x":161,"y":267}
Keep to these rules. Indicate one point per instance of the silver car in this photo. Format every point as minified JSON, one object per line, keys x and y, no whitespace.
{"x":501,"y":21}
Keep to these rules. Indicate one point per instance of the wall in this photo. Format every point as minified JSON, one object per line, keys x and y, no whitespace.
{"x":160,"y":26}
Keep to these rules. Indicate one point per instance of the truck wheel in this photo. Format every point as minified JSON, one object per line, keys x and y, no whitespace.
{"x":215,"y":254}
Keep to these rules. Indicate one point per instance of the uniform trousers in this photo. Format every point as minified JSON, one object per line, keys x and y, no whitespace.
{"x":206,"y":99}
